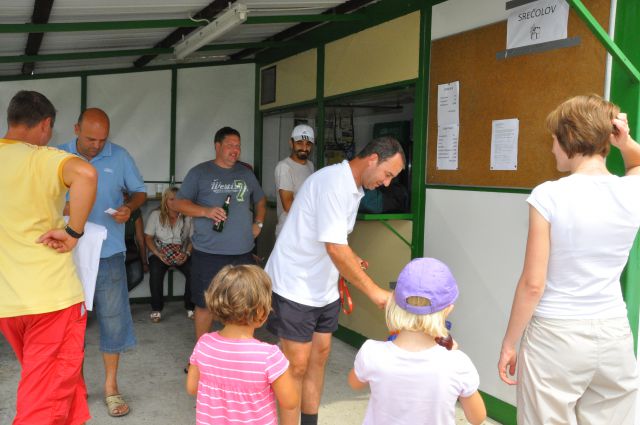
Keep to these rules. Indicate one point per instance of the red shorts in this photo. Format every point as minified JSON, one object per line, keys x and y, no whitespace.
{"x":50,"y":349}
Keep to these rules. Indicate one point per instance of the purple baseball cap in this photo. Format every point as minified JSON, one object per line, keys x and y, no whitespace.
{"x":427,"y":278}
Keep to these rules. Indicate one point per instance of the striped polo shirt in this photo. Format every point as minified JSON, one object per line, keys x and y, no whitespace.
{"x":235,"y":380}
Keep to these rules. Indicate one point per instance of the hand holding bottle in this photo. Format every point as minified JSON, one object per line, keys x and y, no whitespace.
{"x":218,"y":226}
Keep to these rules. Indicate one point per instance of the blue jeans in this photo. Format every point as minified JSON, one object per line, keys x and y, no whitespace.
{"x":112,"y":308}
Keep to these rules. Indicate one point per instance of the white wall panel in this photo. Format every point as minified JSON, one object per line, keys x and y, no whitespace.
{"x":64,"y":93}
{"x":481,"y":236}
{"x":139,"y":107}
{"x":455,"y":16}
{"x":208,"y":99}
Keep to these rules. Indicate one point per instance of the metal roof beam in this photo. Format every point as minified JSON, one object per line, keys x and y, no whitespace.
{"x":101,"y":54}
{"x":41,"y":13}
{"x":166,"y":23}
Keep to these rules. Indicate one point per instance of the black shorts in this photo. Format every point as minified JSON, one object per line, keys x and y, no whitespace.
{"x":298,"y":322}
{"x":205,"y":266}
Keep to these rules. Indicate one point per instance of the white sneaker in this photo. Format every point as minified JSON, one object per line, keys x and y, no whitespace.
{"x":190,"y":314}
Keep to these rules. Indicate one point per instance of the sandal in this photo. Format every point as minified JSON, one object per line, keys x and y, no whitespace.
{"x":115,"y":403}
{"x":155,"y":316}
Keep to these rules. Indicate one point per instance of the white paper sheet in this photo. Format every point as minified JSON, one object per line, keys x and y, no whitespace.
{"x":504,"y":144}
{"x":538,"y":22}
{"x":447,"y":148}
{"x":448,"y":103}
{"x":86,"y":256}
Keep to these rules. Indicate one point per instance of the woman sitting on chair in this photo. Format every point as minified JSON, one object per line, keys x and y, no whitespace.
{"x":168,"y":239}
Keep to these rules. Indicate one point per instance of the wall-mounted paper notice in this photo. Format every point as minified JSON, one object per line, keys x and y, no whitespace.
{"x":447,"y":150}
{"x":448,"y":103}
{"x":504,"y":144}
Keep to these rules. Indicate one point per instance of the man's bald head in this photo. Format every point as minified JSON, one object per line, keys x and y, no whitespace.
{"x":92,"y":131}
{"x":93,"y":115}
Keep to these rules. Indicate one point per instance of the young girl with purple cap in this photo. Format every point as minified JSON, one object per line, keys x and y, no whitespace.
{"x":414,"y":380}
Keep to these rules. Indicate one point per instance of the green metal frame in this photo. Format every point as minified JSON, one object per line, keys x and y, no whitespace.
{"x":312,"y":103}
{"x":169,"y":23}
{"x":479,"y":188}
{"x":257,"y":129}
{"x":419,"y":154}
{"x":320,"y":102}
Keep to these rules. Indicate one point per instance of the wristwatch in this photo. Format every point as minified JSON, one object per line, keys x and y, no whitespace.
{"x":72,"y":232}
{"x":258,"y":223}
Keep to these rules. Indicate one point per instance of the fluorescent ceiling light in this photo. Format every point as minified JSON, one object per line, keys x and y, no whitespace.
{"x":228,"y":20}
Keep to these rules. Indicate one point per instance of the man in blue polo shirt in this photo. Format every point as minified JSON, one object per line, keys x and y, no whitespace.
{"x":117,"y":173}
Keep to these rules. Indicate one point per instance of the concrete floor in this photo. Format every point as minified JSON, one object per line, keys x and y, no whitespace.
{"x":152,"y":380}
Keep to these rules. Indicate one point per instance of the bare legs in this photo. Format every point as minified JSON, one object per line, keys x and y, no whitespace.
{"x":307,"y":361}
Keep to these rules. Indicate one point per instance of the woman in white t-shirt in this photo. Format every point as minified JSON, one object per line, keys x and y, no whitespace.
{"x":168,"y":238}
{"x":576,"y":363}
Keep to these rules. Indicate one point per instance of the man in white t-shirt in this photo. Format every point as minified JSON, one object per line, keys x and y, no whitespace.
{"x":309,"y":255}
{"x":292,"y":171}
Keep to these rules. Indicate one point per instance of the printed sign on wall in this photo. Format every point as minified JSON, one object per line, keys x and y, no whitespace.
{"x":537,"y":22}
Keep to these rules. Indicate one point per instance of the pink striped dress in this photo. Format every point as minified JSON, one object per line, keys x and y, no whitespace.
{"x":235,"y":380}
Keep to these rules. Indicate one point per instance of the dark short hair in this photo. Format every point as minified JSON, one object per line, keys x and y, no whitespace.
{"x":385,"y":147}
{"x":29,"y":108}
{"x":224,"y":132}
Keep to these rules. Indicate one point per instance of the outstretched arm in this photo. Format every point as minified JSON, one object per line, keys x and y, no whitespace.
{"x":348,"y":264}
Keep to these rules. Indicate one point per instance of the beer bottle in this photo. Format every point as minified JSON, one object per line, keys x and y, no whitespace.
{"x":218,"y":226}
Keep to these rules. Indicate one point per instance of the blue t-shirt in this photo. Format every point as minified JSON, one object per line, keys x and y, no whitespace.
{"x":117,"y":173}
{"x":208,"y":185}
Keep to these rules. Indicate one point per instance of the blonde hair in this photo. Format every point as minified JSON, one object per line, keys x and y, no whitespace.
{"x":401,"y":320}
{"x":164,"y":208}
{"x":239,"y":295}
{"x":583,"y":124}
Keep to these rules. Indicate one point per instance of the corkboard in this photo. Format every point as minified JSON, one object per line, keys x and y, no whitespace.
{"x":525,"y":87}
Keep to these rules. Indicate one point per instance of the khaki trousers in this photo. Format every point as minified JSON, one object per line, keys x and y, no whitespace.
{"x":574,"y":372}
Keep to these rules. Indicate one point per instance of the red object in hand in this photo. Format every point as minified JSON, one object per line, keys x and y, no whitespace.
{"x":446,"y":342}
{"x":345,"y":297}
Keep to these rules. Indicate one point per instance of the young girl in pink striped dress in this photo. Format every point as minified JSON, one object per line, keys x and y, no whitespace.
{"x":237,"y":378}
